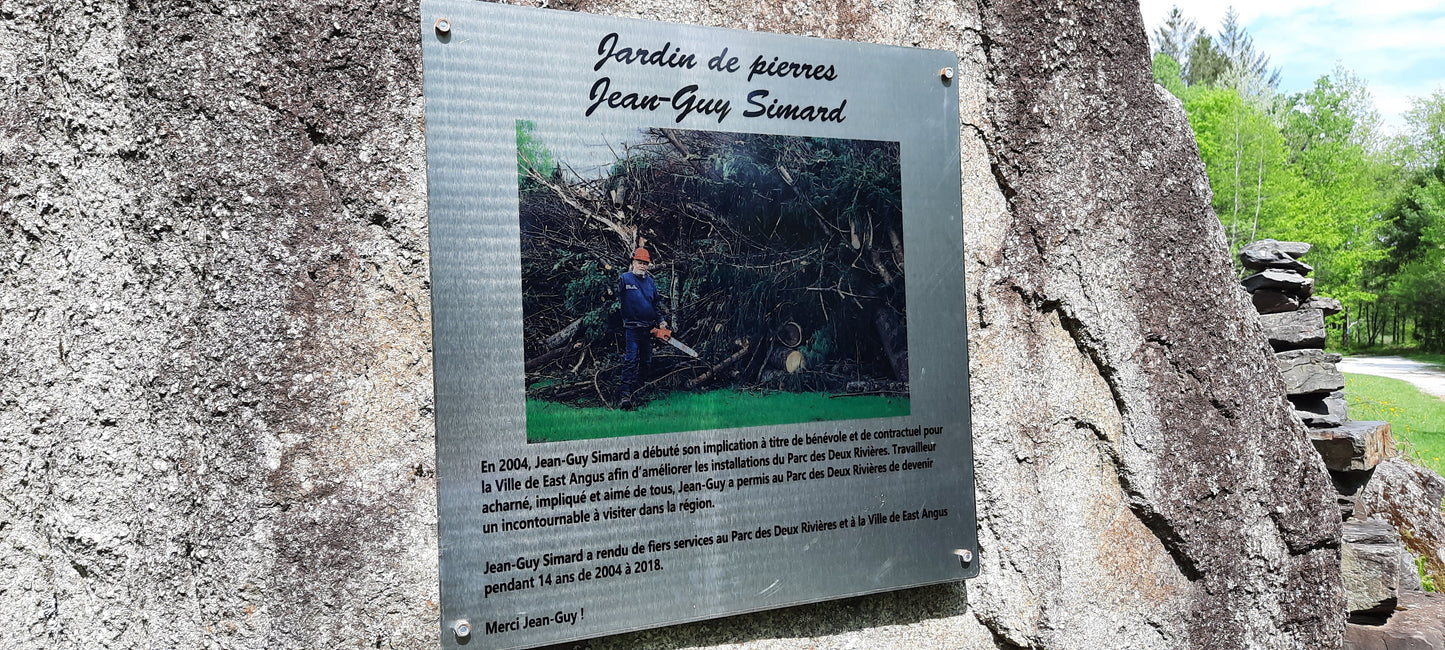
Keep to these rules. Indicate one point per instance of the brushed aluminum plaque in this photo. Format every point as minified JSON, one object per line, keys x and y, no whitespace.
{"x":810,"y":437}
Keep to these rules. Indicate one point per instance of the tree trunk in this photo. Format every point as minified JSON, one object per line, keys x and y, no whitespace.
{"x":786,"y":360}
{"x":541,"y":361}
{"x":1345,"y":338}
{"x":563,"y":335}
{"x":713,"y":371}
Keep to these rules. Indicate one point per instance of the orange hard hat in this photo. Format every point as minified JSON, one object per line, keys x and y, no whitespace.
{"x":641,"y":254}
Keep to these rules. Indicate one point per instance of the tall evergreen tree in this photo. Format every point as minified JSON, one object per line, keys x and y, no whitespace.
{"x":1206,"y":63}
{"x":1238,"y":46}
{"x":1176,"y":36}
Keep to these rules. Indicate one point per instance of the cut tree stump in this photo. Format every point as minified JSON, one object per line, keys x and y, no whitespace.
{"x":790,"y":335}
{"x":789,"y":361}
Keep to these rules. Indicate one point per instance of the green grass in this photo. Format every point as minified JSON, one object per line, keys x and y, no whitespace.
{"x":1417,"y":420}
{"x":719,"y":409}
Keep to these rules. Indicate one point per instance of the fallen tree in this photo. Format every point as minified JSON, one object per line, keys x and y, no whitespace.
{"x":793,"y":242}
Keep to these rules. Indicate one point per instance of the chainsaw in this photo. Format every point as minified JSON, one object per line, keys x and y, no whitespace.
{"x":666,"y":335}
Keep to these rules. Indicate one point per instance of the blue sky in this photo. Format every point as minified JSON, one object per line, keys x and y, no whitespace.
{"x":1396,"y":46}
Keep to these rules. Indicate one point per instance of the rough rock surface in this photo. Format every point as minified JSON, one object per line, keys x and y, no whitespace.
{"x":215,"y":382}
{"x":1307,"y":372}
{"x":1268,"y":249}
{"x":1267,"y":301}
{"x":1418,"y":624}
{"x":1303,"y":328}
{"x":1321,"y":411}
{"x":1105,"y":231}
{"x":1370,"y":562}
{"x":1409,"y":497}
{"x":1273,"y":260}
{"x":1287,"y":281}
{"x":1329,"y":306}
{"x":1355,"y":445}
{"x":1348,"y":486}
{"x":215,"y":416}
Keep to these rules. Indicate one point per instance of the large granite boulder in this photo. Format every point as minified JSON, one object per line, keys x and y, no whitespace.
{"x":1417,"y":624}
{"x":1294,"y":330}
{"x":1355,"y":445}
{"x":1308,"y":372}
{"x":1409,"y":497}
{"x":1286,"y":281}
{"x":217,"y":371}
{"x":1370,"y":560}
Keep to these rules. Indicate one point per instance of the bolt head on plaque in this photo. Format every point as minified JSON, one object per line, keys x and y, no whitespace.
{"x":444,"y":26}
{"x":462,"y":629}
{"x":946,"y":74}
{"x":965,"y":555}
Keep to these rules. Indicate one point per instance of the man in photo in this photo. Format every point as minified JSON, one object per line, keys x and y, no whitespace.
{"x":641,"y":312}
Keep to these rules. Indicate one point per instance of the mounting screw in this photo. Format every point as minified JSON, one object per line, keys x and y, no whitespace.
{"x":462,"y":628}
{"x":444,"y":27}
{"x":946,"y":74}
{"x":964,"y":555}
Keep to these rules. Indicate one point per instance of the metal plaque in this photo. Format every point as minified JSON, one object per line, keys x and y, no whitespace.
{"x":773,"y":410}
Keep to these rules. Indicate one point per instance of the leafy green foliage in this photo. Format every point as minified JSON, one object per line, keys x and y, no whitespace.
{"x":1412,"y":277}
{"x":1169,"y":74}
{"x":1314,"y":167}
{"x":1425,"y":142}
{"x":531,"y":156}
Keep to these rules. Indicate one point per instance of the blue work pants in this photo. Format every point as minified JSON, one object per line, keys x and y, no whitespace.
{"x":637,"y":362}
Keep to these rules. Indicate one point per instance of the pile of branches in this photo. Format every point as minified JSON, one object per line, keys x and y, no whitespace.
{"x":779,"y":259}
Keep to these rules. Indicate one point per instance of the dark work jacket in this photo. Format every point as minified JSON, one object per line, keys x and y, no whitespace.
{"x":638,"y":297}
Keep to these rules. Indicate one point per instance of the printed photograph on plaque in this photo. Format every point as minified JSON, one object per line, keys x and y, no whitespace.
{"x":698,"y":322}
{"x":772,"y":289}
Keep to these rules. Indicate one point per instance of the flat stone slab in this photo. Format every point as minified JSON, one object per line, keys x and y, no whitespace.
{"x":1261,"y":259}
{"x":1326,"y":304}
{"x":1286,"y":281}
{"x":1269,"y":301}
{"x":1354,"y":446}
{"x":1294,"y":249}
{"x":1417,"y":624}
{"x":1307,"y":372}
{"x":1321,"y":411}
{"x":1294,"y":330}
{"x":1370,"y":563}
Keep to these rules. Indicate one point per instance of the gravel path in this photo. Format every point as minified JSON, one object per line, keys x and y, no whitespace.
{"x":1424,"y":376}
